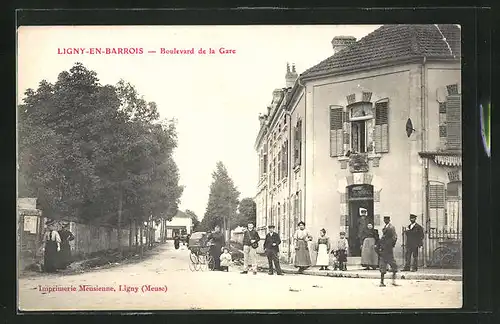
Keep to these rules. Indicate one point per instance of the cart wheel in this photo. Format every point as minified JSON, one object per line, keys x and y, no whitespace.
{"x":447,"y":260}
{"x":192,"y":266}
{"x":202,"y":265}
{"x":210,"y":262}
{"x":193,"y":257}
{"x":438,"y":255}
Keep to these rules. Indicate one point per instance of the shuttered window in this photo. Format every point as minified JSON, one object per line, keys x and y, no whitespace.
{"x":437,"y":203}
{"x":381,"y":132}
{"x":284,"y":160}
{"x":436,"y":196}
{"x":336,"y":130}
{"x":297,"y":144}
{"x":274,"y":171}
{"x":279,"y":166}
{"x":454,"y":122}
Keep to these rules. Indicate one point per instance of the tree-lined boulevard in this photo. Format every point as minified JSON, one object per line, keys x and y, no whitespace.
{"x":190,"y":290}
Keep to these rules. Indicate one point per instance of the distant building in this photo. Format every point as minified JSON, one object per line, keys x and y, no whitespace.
{"x":180,"y":223}
{"x":377,"y":126}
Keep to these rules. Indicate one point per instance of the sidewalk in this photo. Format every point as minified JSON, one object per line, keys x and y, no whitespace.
{"x":359,"y":272}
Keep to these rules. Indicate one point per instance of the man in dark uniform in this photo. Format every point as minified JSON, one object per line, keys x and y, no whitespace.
{"x":386,"y":251}
{"x":271,"y":247}
{"x":414,"y":240}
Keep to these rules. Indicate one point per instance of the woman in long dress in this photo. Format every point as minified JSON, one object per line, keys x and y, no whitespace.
{"x":323,"y":249}
{"x":217,"y":241}
{"x":369,"y":256}
{"x":65,"y":254}
{"x":52,"y":245}
{"x":302,"y":256}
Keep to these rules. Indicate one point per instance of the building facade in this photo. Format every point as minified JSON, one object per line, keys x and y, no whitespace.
{"x":375,"y":126}
{"x":179,"y":224}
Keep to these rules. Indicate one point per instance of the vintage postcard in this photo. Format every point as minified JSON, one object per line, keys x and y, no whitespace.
{"x":239,"y":167}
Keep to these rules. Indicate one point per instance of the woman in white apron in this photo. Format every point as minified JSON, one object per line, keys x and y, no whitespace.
{"x":323,"y":249}
{"x":302,"y":257}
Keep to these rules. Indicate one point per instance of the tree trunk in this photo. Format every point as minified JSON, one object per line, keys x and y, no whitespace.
{"x":164,"y":230}
{"x":120,"y":205}
{"x":141,"y":249}
{"x":136,"y":234}
{"x":130,"y":234}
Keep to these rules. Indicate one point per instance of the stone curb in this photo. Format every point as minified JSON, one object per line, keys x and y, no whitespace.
{"x":372,"y":275}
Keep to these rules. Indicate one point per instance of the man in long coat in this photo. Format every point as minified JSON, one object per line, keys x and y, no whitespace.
{"x":414,"y":240}
{"x":386,"y":251}
{"x":271,"y":247}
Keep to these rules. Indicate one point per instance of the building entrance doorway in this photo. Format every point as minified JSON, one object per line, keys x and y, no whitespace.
{"x":359,"y":197}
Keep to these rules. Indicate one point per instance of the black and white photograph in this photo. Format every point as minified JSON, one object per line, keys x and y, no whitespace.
{"x":239,"y":167}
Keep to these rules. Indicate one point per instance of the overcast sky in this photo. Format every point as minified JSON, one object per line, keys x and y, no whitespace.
{"x":215,"y":98}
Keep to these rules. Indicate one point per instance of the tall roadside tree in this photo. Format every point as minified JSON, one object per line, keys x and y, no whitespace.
{"x":222,"y":200}
{"x":98,"y":154}
{"x":194,"y":219}
{"x":247,"y":213}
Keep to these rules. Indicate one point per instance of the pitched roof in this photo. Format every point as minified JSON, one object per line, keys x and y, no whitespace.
{"x":394,"y":42}
{"x":181,"y":214}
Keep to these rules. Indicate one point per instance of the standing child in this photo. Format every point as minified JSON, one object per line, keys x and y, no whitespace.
{"x":323,"y":248}
{"x":225,"y":260}
{"x":341,"y":251}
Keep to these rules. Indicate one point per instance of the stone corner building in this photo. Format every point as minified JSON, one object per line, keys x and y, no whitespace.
{"x":376,"y":125}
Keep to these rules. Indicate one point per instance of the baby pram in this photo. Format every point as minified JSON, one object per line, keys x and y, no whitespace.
{"x":199,"y":252}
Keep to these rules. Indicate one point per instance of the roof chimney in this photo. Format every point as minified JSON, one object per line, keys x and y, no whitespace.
{"x":341,"y":42}
{"x":290,"y":76}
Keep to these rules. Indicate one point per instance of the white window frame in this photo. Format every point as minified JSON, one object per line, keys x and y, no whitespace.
{"x":356,"y":119}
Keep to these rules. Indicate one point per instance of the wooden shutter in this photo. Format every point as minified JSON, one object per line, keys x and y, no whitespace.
{"x":336,"y":130}
{"x":284,"y":161}
{"x":454,"y":122}
{"x":297,"y":144}
{"x":381,"y":132}
{"x":437,"y":200}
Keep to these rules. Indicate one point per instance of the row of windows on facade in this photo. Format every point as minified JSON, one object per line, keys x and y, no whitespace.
{"x":350,"y":129}
{"x":278,"y":215}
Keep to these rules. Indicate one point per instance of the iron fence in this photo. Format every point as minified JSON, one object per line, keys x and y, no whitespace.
{"x":442,"y":248}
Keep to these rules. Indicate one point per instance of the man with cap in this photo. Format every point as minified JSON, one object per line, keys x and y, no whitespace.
{"x":271,"y":247}
{"x":250,"y":244}
{"x":386,"y":251}
{"x":414,"y":240}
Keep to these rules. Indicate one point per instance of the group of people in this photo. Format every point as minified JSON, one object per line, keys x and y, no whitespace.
{"x":323,"y":247}
{"x":376,"y":252}
{"x":56,"y":246}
